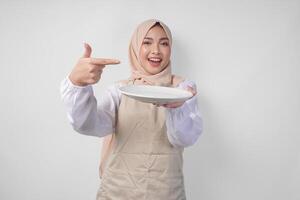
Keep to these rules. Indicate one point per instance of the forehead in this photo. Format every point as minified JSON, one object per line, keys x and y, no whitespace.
{"x":156,"y":32}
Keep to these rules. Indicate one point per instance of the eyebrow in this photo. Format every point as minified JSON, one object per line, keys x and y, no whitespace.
{"x":163,"y":38}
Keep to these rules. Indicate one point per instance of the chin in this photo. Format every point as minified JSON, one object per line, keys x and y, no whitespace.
{"x":154,"y":71}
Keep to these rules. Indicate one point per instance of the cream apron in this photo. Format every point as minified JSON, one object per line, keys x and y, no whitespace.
{"x":142,"y":165}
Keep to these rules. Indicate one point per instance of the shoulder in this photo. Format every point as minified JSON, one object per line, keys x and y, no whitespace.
{"x":114,"y":88}
{"x":117,"y":84}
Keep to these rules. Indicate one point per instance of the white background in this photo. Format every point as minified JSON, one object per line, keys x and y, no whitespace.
{"x":243,"y":55}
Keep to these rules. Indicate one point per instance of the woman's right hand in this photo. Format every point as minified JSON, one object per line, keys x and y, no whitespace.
{"x":88,"y":70}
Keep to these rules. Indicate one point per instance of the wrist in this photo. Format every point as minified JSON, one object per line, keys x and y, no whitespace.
{"x":76,"y":82}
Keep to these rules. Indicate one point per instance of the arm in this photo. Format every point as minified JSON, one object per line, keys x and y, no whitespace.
{"x":84,"y":113}
{"x":184,"y":123}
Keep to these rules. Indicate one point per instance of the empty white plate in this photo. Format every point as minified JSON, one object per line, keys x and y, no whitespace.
{"x":155,"y":94}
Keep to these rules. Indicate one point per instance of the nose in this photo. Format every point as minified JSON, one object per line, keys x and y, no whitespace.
{"x":155,"y":49}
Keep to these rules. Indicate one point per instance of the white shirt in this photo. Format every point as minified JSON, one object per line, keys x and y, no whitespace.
{"x":97,"y":118}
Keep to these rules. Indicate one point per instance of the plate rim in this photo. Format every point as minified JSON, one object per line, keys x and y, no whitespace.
{"x":155,"y":86}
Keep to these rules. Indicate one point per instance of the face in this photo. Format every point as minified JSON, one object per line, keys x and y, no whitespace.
{"x":155,"y":51}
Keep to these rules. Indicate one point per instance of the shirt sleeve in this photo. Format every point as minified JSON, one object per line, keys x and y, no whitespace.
{"x":184,"y":124}
{"x":86,"y":115}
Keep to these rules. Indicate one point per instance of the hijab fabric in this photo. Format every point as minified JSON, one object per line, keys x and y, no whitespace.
{"x":165,"y":77}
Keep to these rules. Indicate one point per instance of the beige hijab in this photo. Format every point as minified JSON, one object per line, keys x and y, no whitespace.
{"x":139,"y":76}
{"x":164,"y":78}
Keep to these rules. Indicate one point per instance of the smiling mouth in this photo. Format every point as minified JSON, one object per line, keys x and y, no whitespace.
{"x":155,"y":62}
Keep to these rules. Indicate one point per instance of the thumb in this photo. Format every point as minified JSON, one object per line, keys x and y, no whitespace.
{"x":87,"y":51}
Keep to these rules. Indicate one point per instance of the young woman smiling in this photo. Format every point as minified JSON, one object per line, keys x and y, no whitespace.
{"x":142,"y":155}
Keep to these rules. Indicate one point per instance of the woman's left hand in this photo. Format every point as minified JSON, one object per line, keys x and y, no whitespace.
{"x":178,"y":104}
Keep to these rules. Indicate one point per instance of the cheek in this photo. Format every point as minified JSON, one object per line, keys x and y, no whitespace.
{"x":167,"y":54}
{"x":166,"y":50}
{"x":143,"y":53}
{"x":143,"y":57}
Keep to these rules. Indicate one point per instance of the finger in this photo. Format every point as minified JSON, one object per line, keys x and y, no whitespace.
{"x":104,"y":61}
{"x":173,"y":105}
{"x":87,"y":51}
{"x":96,"y":68}
{"x":168,"y":106}
{"x":192,"y":90}
{"x":99,"y":67}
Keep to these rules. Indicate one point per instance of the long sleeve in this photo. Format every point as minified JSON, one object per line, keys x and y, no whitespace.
{"x":85,"y":114}
{"x":89,"y":117}
{"x":184,"y":124}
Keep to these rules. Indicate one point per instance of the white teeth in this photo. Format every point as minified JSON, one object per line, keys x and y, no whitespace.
{"x":155,"y":59}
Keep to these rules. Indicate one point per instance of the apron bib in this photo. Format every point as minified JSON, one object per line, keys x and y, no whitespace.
{"x":142,"y":164}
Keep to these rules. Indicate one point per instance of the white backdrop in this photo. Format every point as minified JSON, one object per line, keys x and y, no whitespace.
{"x":243,"y":55}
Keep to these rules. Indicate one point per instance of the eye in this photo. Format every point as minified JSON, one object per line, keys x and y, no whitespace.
{"x":146,"y":42}
{"x":165,"y":44}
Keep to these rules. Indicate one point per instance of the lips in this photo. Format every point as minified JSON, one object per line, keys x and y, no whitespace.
{"x":154,"y":61}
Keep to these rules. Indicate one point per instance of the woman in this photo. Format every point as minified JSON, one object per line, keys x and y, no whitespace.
{"x":143,"y":146}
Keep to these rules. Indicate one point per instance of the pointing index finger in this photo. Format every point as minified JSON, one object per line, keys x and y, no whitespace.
{"x":104,"y":61}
